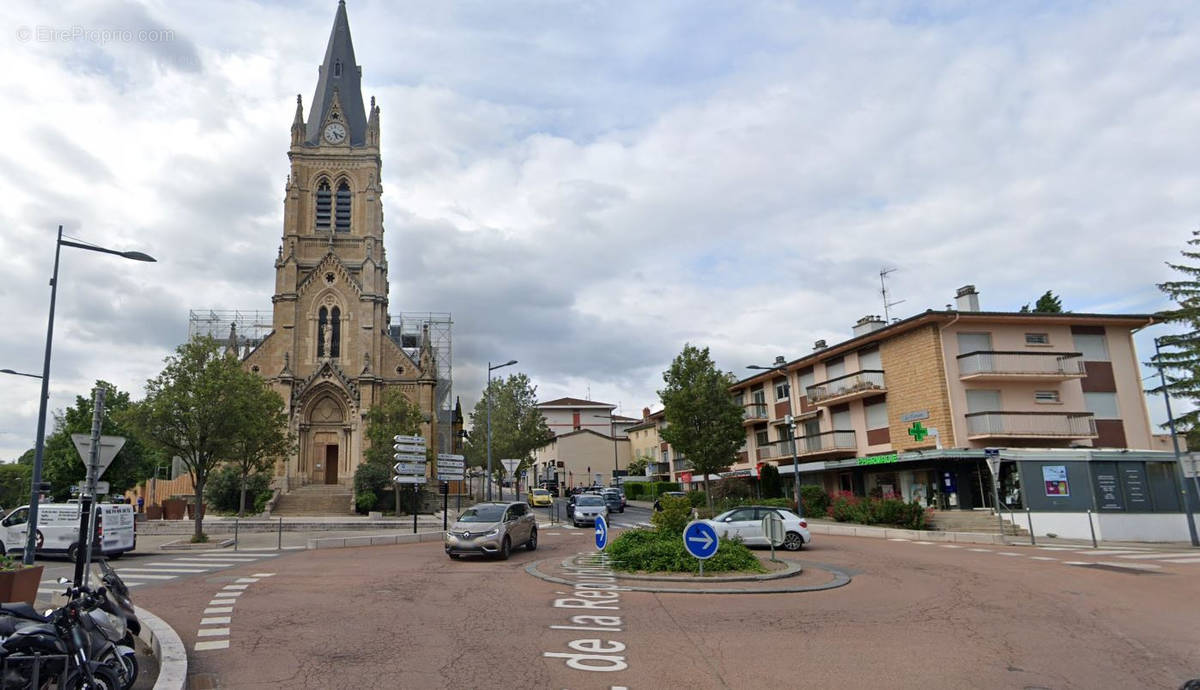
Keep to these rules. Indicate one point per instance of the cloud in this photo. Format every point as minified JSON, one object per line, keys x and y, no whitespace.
{"x":588,"y":186}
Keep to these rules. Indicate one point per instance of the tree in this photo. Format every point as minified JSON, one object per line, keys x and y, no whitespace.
{"x":27,"y":457}
{"x":1048,"y":303}
{"x":637,"y":466}
{"x":190,"y":412}
{"x":14,"y":484}
{"x":263,"y":436}
{"x":394,"y":415}
{"x":703,"y":422}
{"x":61,"y":464}
{"x":771,"y":486}
{"x":1180,"y":354}
{"x":518,"y":427}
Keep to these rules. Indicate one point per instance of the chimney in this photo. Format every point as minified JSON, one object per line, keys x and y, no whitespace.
{"x":867,"y":324}
{"x":645,"y":413}
{"x":966,"y":299}
{"x":819,"y":345}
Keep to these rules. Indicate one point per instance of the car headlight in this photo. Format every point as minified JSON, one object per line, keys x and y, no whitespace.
{"x":492,"y":532}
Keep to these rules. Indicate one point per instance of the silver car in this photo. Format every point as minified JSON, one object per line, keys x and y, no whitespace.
{"x":492,"y":529}
{"x":585,"y":508}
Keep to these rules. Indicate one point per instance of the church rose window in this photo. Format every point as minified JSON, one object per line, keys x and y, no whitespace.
{"x":342,"y":223}
{"x":323,"y":205}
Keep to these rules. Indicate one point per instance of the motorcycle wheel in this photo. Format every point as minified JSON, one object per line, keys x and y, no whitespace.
{"x":103,"y":678}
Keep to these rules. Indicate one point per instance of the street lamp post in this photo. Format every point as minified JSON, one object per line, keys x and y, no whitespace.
{"x":39,"y":442}
{"x":489,"y":421}
{"x":613,"y":430}
{"x":1187,"y":507}
{"x":781,"y":364}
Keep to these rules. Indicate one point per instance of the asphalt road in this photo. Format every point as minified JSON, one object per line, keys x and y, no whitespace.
{"x":914,"y":616}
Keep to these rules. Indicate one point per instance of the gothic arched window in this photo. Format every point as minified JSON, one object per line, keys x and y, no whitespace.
{"x":342,"y":217}
{"x":335,"y":347}
{"x":324,"y":202}
{"x":322,"y":324}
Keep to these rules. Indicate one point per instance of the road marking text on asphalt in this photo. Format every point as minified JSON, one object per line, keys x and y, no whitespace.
{"x":596,"y":591}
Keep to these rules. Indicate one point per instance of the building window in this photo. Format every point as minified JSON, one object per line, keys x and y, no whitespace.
{"x":1102,"y":405}
{"x":342,"y":216}
{"x":322,"y":324}
{"x":877,"y":417}
{"x":760,"y":438}
{"x":335,"y":347}
{"x":784,"y":432}
{"x":1094,"y":347}
{"x":782,"y":389}
{"x":337,"y":68}
{"x":1037,"y":338}
{"x":1045,"y":397}
{"x":805,"y":379}
{"x":324,"y":205}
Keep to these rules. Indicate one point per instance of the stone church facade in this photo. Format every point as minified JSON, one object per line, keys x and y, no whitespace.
{"x":331,"y":354}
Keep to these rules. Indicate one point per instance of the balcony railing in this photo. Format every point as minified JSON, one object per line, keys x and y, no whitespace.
{"x":995,"y":364}
{"x":826,"y":442}
{"x":778,"y":449}
{"x":754,"y":412}
{"x":1030,"y":425}
{"x":857,"y":385}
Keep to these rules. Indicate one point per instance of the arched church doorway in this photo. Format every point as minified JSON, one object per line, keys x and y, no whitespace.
{"x":327,"y":442}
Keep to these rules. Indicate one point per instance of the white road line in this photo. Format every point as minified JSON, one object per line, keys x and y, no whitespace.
{"x":1077,"y":562}
{"x":1181,"y":560}
{"x":183,"y":571}
{"x":211,"y":644}
{"x":144,"y":576}
{"x":228,"y":594}
{"x":222,"y":602}
{"x":899,"y":539}
{"x":234,"y":587}
{"x":922,"y":542}
{"x":217,"y":620}
{"x":1043,"y":558}
{"x":263,"y":575}
{"x":1110,"y":552}
{"x":1132,"y":566}
{"x":1058,"y":548}
{"x":950,"y":546}
{"x":212,"y":632}
{"x":209,"y":561}
{"x":218,"y":609}
{"x":1181,"y":554}
{"x":1007,"y":553}
{"x":980,"y":550}
{"x":246,"y":579}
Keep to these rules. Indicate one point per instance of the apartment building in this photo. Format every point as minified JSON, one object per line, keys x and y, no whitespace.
{"x":590,"y":442}
{"x":912,"y":407}
{"x":646,"y":441}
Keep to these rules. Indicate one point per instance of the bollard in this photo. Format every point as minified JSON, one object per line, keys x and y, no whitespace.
{"x":235,"y":534}
{"x":279,"y":547}
{"x":1029,"y":516}
{"x":1092,"y":528}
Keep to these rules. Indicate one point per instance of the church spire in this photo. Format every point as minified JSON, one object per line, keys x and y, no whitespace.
{"x":339,"y":88}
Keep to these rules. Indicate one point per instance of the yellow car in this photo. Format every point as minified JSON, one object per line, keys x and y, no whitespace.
{"x":540,"y":497}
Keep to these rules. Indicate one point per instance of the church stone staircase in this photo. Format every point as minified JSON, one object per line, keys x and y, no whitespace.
{"x":315,"y":500}
{"x":975,"y":521}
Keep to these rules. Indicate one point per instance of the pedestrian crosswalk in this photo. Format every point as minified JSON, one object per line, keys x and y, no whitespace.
{"x":1133,"y":558}
{"x":170,"y":566}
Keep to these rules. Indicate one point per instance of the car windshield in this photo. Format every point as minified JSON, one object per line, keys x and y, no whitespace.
{"x":482,"y":514}
{"x":540,"y":492}
{"x":724,"y":515}
{"x":589,"y":500}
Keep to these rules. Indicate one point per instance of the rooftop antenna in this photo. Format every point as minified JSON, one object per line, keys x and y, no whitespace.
{"x":883,"y":291}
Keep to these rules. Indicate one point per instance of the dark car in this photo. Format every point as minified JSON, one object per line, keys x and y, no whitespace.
{"x":612,"y":500}
{"x":674,"y":494}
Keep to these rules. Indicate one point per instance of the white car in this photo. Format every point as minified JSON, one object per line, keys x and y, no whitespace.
{"x":745,"y":523}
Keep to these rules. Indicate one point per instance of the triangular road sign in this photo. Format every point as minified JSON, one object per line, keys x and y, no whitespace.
{"x":109,"y":447}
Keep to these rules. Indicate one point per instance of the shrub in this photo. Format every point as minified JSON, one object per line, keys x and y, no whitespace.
{"x":732,"y":487}
{"x":877,"y":511}
{"x":697,"y":498}
{"x":653,"y":489}
{"x":813,"y":499}
{"x":675,"y":514}
{"x":372,"y":479}
{"x":634,"y":490}
{"x":772,"y":487}
{"x":656,"y":551}
{"x":224,"y":488}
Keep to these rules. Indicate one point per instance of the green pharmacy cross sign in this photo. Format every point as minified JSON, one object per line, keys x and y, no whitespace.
{"x":918,"y":432}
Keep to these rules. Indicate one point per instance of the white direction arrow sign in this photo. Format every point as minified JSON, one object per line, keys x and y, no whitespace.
{"x":101,"y":487}
{"x":707,"y":540}
{"x":442,"y":477}
{"x":408,"y":448}
{"x":510,"y":466}
{"x":409,"y":468}
{"x":457,"y":464}
{"x":417,"y":440}
{"x":408,"y":457}
{"x":109,"y":447}
{"x":409,"y":479}
{"x":451,"y":456}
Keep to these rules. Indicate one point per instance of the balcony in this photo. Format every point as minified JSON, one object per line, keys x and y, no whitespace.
{"x":774,"y":451}
{"x":753,"y":413}
{"x":827,"y":444}
{"x":860,"y":384}
{"x":1035,"y":425}
{"x":992,"y":365}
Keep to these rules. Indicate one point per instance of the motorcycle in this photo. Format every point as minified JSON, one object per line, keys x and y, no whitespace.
{"x":65,"y":646}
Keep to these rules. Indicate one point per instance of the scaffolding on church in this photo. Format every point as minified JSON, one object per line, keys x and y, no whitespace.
{"x":405,"y":330}
{"x":250,"y":326}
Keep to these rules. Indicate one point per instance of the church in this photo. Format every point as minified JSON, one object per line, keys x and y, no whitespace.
{"x":332,"y":349}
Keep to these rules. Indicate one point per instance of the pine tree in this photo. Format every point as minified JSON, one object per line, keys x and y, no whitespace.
{"x":1180,"y":352}
{"x":1048,"y":303}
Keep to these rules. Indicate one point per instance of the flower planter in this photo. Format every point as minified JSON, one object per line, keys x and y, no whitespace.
{"x":174,"y":508}
{"x":154,"y":512}
{"x":20,"y":585}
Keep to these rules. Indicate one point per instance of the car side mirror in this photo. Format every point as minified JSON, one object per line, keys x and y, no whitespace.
{"x":728,"y":519}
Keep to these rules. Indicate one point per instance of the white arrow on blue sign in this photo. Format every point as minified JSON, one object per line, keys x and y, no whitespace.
{"x":601,"y":532}
{"x":700,"y":539}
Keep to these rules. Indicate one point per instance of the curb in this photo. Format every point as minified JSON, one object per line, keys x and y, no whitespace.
{"x":380,"y":540}
{"x":793,"y":568}
{"x":168,"y":648}
{"x":841,"y":578}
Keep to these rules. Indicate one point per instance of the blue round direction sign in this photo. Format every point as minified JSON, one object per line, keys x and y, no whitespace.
{"x":700,"y":539}
{"x":601,"y":532}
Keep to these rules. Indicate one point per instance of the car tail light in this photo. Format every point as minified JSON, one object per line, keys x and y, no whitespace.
{"x":804,"y":524}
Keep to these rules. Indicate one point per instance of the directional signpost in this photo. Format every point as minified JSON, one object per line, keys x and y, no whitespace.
{"x":450,"y":468}
{"x":409,"y":467}
{"x":510,"y":468}
{"x":700,"y":540}
{"x":601,"y":532}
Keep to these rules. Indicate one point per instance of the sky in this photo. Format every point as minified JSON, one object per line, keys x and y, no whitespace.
{"x":588,"y":186}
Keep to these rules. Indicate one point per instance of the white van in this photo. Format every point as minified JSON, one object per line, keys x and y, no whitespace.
{"x":58,"y":529}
